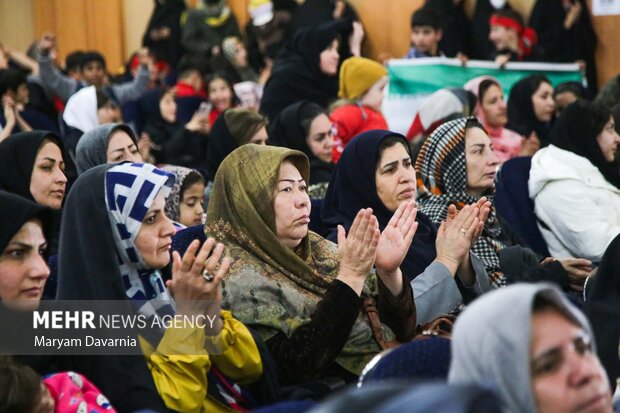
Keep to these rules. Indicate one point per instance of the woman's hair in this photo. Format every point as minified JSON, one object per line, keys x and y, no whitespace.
{"x":104,"y":101}
{"x":474,"y":123}
{"x":20,"y":387}
{"x":192,"y":178}
{"x":243,"y":124}
{"x":390,"y":141}
{"x":215,"y":76}
{"x":537,"y":80}
{"x":484,"y":87}
{"x":307,"y":113}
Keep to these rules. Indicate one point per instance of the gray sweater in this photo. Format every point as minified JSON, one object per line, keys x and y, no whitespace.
{"x":64,"y":86}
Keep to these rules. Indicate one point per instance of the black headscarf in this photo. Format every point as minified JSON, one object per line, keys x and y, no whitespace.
{"x":221,"y":144}
{"x":521,"y":116}
{"x":313,"y":13}
{"x":286,"y":130}
{"x":602,"y":307}
{"x":89,"y":270}
{"x":615,"y":112}
{"x":297,"y":73}
{"x":576,"y":131}
{"x":352,"y":187}
{"x":456,"y":27}
{"x":18,"y":153}
{"x":15,"y":211}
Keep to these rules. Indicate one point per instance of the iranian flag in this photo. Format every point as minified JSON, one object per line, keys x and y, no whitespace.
{"x":412,"y":80}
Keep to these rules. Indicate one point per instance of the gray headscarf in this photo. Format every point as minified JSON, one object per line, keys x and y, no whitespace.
{"x":173,"y":201}
{"x":92,"y":148}
{"x":491,"y":341}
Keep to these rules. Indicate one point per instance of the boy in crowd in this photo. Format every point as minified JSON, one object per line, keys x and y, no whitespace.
{"x":425,"y":34}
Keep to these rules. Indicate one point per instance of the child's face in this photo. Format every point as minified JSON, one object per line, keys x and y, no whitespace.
{"x":374,"y":96}
{"x":502,"y":37}
{"x":191,"y":205}
{"x":220,"y":94}
{"x":425,"y":39}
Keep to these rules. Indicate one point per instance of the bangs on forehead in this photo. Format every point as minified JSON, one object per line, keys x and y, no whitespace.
{"x":301,"y":163}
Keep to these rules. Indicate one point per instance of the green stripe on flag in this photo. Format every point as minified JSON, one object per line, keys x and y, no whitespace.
{"x":412,"y":78}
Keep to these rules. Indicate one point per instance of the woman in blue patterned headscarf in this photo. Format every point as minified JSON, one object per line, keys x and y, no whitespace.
{"x":114,"y":244}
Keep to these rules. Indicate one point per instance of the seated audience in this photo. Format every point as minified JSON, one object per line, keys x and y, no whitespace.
{"x":305,"y":127}
{"x":492,"y":112}
{"x":575,"y":183}
{"x":33,"y":167}
{"x":236,"y":127}
{"x":457,"y":166}
{"x":298,"y":290}
{"x":531,"y":108}
{"x":376,"y":171}
{"x":109,"y":143}
{"x":361,"y":87}
{"x":185,"y":204}
{"x":118,"y":210}
{"x":546,"y":365}
{"x":307,"y":68}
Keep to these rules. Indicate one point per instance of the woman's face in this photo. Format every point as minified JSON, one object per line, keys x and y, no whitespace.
{"x":122,"y":148}
{"x":220,"y":94}
{"x":494,"y":107}
{"x":374,"y":96}
{"x":168,"y":108}
{"x":330,"y":58}
{"x":47,"y":183}
{"x":608,"y":140}
{"x":395,"y":177}
{"x":481,"y":162}
{"x":23,"y":270}
{"x":291,"y":206}
{"x":191,"y":205}
{"x":543,"y":102}
{"x":320,"y":139}
{"x":241,"y":55}
{"x":260,"y":137}
{"x":155,"y":236}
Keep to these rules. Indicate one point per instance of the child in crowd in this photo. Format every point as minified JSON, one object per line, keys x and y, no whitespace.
{"x":66,"y":392}
{"x":513,"y":41}
{"x":426,"y":34}
{"x":362,"y":84}
{"x":221,"y":95}
{"x":185,"y":204}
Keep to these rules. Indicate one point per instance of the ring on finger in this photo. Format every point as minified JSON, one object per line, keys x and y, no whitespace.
{"x":207,"y":276}
{"x":463,"y":230}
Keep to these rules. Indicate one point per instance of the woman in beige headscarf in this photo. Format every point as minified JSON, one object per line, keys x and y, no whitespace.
{"x":300,"y":291}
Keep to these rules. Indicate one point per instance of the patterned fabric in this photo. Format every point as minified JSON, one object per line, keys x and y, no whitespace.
{"x":270,"y":287}
{"x":173,"y":201}
{"x":442,"y":180}
{"x":130,"y":189}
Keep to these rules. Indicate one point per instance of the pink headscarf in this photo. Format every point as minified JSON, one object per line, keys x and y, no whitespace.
{"x":506,"y":143}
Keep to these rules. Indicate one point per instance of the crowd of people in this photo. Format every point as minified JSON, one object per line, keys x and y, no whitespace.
{"x":249,"y":172}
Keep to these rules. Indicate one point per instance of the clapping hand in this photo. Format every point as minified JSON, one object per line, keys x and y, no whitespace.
{"x":358,"y":249}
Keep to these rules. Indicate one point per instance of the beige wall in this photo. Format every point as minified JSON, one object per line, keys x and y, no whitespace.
{"x":16,"y":23}
{"x":137,"y":15}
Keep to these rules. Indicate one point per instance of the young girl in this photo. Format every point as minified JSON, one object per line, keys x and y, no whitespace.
{"x":185,"y":204}
{"x":362,"y":84}
{"x":221,"y":96}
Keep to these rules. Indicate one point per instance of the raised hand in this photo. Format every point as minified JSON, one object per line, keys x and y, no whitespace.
{"x":358,"y":249}
{"x":193,"y":293}
{"x":396,"y":238}
{"x":455,"y":237}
